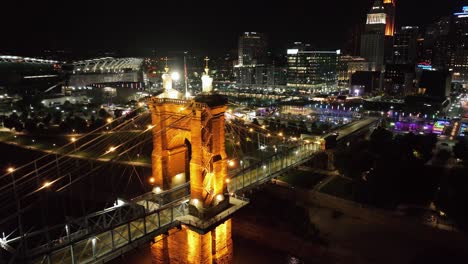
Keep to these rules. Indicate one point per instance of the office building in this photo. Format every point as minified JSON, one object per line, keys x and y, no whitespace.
{"x":260,"y":75}
{"x":252,"y":53}
{"x":252,"y":49}
{"x":373,"y":39}
{"x":458,"y":57}
{"x":405,"y":45}
{"x":365,"y":82}
{"x":309,"y":68}
{"x":347,"y":65}
{"x":435,"y":84}
{"x":399,"y":79}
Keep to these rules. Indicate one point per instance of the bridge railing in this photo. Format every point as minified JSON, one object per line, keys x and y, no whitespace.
{"x":94,"y":245}
{"x":92,"y":223}
{"x":271,"y":167}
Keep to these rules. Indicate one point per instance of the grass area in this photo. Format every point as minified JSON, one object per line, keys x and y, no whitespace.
{"x":4,"y":136}
{"x":339,"y":187}
{"x":302,"y":179}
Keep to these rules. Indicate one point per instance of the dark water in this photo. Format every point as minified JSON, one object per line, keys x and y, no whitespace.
{"x":245,"y":252}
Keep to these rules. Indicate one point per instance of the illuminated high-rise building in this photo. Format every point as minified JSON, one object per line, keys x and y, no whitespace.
{"x":405,"y":49}
{"x":252,"y":49}
{"x":252,"y":53}
{"x":373,"y":39}
{"x":308,"y":68}
{"x":389,"y":6}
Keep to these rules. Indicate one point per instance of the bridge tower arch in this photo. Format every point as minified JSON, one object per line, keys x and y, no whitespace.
{"x":193,"y":131}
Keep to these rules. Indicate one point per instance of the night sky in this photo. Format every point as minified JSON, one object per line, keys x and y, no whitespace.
{"x":138,"y":27}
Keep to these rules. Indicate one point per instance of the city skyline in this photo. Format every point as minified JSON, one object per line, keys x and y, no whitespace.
{"x":146,"y":28}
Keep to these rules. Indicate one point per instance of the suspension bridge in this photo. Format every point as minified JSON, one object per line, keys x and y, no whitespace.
{"x":29,"y":236}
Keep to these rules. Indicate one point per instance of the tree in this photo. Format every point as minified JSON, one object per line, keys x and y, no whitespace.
{"x":255,"y":122}
{"x":67,"y":105}
{"x":425,"y":144}
{"x":118,"y":113}
{"x":46,"y":120}
{"x":460,"y":150}
{"x":57,"y":116}
{"x":102,"y":113}
{"x":442,"y":157}
{"x":19,"y":126}
{"x":79,"y":124}
{"x":30,"y":125}
{"x":379,"y":138}
{"x":24,"y":116}
{"x":64,"y":126}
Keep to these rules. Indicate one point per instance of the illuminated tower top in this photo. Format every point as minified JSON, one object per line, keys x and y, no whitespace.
{"x":389,"y":6}
{"x":169,"y":91}
{"x":377,"y":15}
{"x":207,"y":81}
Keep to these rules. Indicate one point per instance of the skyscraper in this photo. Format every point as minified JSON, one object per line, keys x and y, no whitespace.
{"x":252,"y":49}
{"x":373,"y":39}
{"x":405,"y":45}
{"x":252,"y":53}
{"x":458,"y":61}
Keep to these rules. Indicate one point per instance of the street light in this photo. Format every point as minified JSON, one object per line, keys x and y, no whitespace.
{"x":175,"y":76}
{"x":157,"y":190}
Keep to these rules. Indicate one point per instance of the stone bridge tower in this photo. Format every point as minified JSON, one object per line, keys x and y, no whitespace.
{"x":188,"y":144}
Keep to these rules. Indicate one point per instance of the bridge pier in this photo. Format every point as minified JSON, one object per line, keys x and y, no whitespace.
{"x":185,"y":245}
{"x":189,"y":139}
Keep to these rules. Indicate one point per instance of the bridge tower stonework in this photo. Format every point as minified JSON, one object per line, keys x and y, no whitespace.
{"x":188,"y":144}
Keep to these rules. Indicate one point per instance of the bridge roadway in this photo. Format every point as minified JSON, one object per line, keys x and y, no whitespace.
{"x":354,"y":127}
{"x":107,"y":234}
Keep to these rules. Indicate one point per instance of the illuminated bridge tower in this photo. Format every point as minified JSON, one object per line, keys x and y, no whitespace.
{"x":188,"y":140}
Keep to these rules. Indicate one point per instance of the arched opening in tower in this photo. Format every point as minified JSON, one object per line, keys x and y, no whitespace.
{"x":188,"y":158}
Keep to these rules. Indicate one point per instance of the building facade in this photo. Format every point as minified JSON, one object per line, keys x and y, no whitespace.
{"x":405,"y":45}
{"x":373,"y":39}
{"x":252,"y":49}
{"x":347,"y":65}
{"x":458,"y":55}
{"x":309,"y":68}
